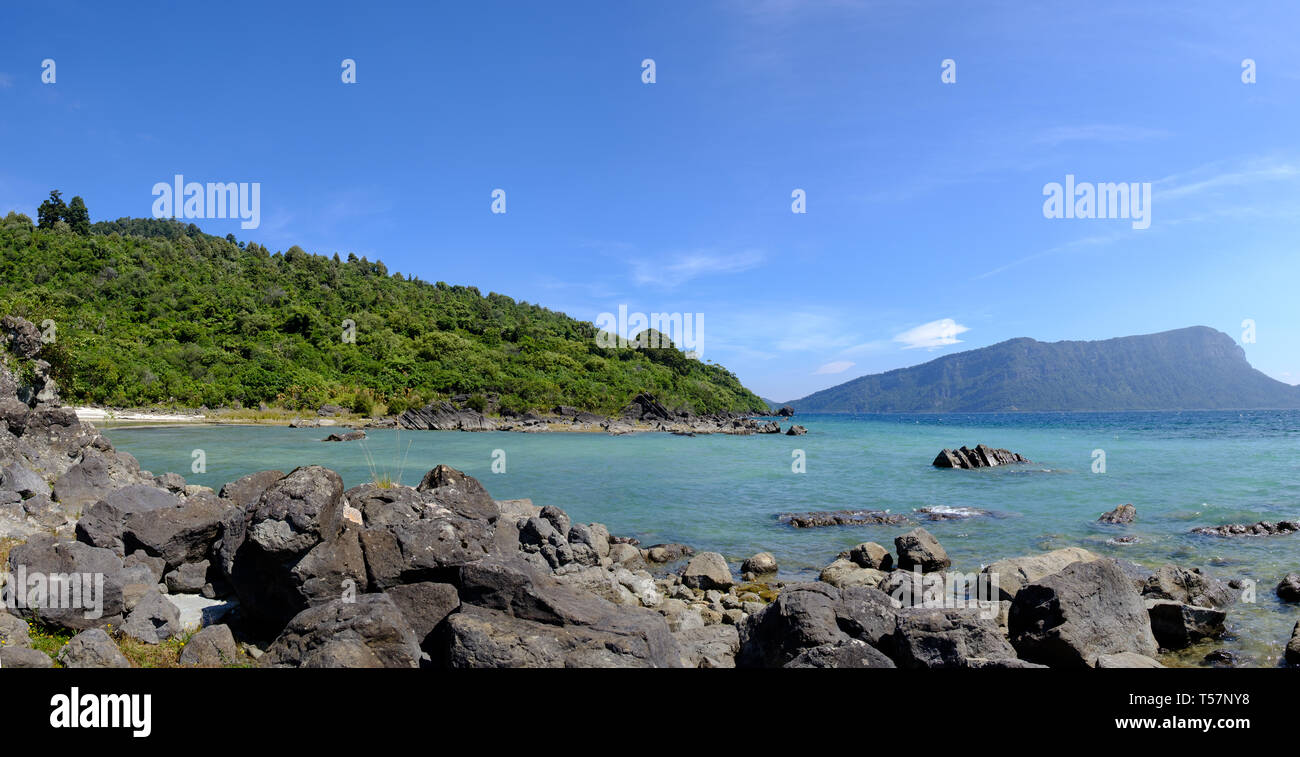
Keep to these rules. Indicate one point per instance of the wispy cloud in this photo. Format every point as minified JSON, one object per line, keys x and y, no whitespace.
{"x":6,"y":80}
{"x":838,"y":366}
{"x":1198,"y":182}
{"x":932,"y":335}
{"x":693,"y":265}
{"x":1098,"y":133}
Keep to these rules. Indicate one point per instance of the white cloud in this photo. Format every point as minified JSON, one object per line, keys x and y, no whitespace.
{"x":934,"y":334}
{"x":839,"y":366}
{"x":693,"y":265}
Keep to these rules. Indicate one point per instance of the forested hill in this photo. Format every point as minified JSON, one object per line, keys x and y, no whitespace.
{"x":1194,"y":368}
{"x":151,"y":311}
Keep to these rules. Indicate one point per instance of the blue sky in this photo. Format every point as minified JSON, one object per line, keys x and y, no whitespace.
{"x":924,"y":199}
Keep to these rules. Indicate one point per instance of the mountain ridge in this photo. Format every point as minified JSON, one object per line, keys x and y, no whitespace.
{"x":1192,"y":368}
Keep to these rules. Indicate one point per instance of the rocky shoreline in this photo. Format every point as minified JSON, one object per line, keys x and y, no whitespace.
{"x":294,"y":570}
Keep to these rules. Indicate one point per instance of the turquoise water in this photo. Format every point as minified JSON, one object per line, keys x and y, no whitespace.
{"x":724,"y":493}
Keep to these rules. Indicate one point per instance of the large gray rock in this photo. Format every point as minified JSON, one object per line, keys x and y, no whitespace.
{"x":515,"y":588}
{"x":1292,"y":652}
{"x":1177,"y":626}
{"x":97,"y":473}
{"x":104,"y":522}
{"x":19,"y":478}
{"x":369,"y":632}
{"x":708,"y":646}
{"x":1127,"y":660}
{"x":762,"y":563}
{"x":24,"y":657}
{"x":1072,"y":617}
{"x":803,"y":616}
{"x":296,"y":550}
{"x":212,"y":647}
{"x":21,"y":336}
{"x":708,"y":570}
{"x":92,"y":649}
{"x":153,"y":620}
{"x":1192,"y":587}
{"x":14,"y":631}
{"x":183,"y":533}
{"x":90,"y":581}
{"x":869,"y":554}
{"x":946,"y":638}
{"x":425,"y":606}
{"x":843,"y":573}
{"x":248,"y":490}
{"x":1014,"y":572}
{"x":462,"y":494}
{"x":484,"y":638}
{"x":919,"y":549}
{"x":846,"y":653}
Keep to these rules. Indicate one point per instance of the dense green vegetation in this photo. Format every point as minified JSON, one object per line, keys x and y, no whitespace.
{"x":155,"y":312}
{"x":1194,"y":368}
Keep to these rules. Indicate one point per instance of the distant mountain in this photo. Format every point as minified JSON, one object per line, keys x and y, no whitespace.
{"x":1196,"y":368}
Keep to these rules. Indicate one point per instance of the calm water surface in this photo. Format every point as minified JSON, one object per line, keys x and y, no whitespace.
{"x":724,"y":493}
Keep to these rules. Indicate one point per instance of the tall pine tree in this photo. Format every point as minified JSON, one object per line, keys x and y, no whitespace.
{"x":51,"y":211}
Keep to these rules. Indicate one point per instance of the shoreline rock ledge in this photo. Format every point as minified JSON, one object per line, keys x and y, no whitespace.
{"x":983,"y":456}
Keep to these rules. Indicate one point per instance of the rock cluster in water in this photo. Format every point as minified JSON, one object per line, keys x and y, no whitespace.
{"x":1262,"y":528}
{"x":643,"y":413}
{"x":983,"y":456}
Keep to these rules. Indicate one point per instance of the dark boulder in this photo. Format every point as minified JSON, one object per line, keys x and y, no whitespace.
{"x":370,"y":632}
{"x":91,"y":597}
{"x":92,"y":649}
{"x":946,"y":638}
{"x":803,"y":616}
{"x":425,"y":605}
{"x":247,"y":490}
{"x":920,"y":550}
{"x":104,"y":523}
{"x":1071,"y":617}
{"x":477,"y":637}
{"x":1177,"y":626}
{"x":1288,"y":590}
{"x":1191,"y":587}
{"x":460,"y":493}
{"x":846,"y":653}
{"x":180,"y":534}
{"x":212,"y":647}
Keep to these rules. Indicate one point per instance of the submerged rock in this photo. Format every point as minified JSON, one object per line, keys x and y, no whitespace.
{"x":1120,"y":515}
{"x":842,"y":518}
{"x":1262,"y":528}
